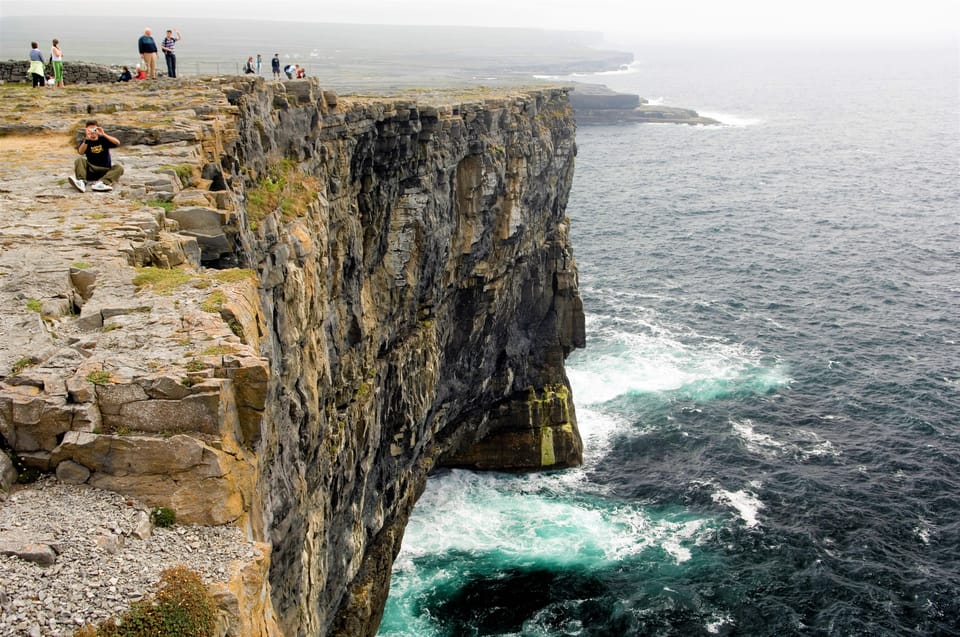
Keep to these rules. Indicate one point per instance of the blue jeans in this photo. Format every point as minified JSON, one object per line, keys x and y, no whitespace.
{"x":171,"y":63}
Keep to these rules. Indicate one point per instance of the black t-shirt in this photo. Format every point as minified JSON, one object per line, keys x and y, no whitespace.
{"x":98,"y":152}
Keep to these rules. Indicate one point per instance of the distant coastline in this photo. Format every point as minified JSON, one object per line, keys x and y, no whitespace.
{"x":598,"y":104}
{"x":345,"y":57}
{"x":374,"y":59}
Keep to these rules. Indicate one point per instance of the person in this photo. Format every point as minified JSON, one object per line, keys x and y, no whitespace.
{"x":125,"y":75}
{"x":301,"y":72}
{"x":56,"y":57}
{"x":140,"y":74}
{"x":166,"y":45}
{"x":248,"y":67}
{"x":147,"y":47}
{"x":259,"y":63}
{"x":95,"y":162}
{"x":275,"y":66}
{"x":289,"y":70}
{"x":36,"y":65}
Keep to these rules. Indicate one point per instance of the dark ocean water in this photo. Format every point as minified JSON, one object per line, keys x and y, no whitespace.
{"x":770,"y":395}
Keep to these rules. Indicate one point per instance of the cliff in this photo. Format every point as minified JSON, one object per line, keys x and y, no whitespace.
{"x":291,"y":309}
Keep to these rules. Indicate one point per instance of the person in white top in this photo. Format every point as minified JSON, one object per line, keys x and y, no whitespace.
{"x":56,"y":57}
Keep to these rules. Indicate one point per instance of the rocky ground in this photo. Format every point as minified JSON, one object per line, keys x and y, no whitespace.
{"x":104,"y":554}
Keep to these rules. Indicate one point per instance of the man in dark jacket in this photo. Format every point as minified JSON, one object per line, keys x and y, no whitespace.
{"x":148,"y":53}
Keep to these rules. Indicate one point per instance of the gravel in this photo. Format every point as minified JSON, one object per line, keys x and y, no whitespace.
{"x":101,"y":566}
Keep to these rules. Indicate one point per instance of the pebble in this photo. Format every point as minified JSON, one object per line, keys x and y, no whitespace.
{"x":53,"y":601}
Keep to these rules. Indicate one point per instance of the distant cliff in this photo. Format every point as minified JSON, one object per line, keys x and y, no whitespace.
{"x":597,"y":104}
{"x":371,"y":288}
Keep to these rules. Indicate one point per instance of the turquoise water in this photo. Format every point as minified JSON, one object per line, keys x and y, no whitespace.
{"x":769,"y":394}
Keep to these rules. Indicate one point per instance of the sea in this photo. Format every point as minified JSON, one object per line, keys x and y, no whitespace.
{"x":770,"y":392}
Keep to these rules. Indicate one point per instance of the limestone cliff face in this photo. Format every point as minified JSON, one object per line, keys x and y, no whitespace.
{"x":405,"y":298}
{"x":417,"y":314}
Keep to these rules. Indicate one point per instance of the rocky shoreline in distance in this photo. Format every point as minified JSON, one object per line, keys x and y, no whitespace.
{"x":598,"y":104}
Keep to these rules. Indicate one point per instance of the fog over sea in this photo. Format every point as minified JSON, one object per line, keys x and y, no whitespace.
{"x":770,"y":393}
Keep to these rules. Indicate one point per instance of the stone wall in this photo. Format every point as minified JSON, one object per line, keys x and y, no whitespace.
{"x":73,"y":72}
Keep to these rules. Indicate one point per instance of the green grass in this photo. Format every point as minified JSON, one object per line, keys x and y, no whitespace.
{"x":159,"y":203}
{"x":23,"y":363}
{"x":101,"y":377}
{"x":218,"y":350}
{"x":285,"y":188}
{"x":183,"y":607}
{"x":160,"y":280}
{"x":214,"y":302}
{"x":233,"y":275}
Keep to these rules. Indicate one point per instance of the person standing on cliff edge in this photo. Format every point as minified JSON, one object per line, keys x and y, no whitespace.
{"x":36,"y":65}
{"x":56,"y":60}
{"x":166,"y":45}
{"x":275,"y":66}
{"x":96,"y":163}
{"x":147,"y":47}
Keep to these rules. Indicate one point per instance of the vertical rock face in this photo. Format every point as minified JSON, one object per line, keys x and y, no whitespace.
{"x":417,"y":314}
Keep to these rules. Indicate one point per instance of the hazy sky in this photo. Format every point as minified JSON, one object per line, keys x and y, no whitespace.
{"x":691,"y":17}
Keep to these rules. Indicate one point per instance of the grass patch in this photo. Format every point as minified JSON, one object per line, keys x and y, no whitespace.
{"x":23,"y":363}
{"x":160,"y":280}
{"x":234,"y":275}
{"x":183,"y":607}
{"x":163,"y":517}
{"x":159,"y":203}
{"x":218,"y":350}
{"x":81,"y":265}
{"x":101,"y":377}
{"x":34,"y":305}
{"x":214,"y":302}
{"x":184,"y":172}
{"x":285,"y":188}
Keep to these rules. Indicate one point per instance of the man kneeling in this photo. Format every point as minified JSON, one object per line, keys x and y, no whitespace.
{"x":95,"y":163}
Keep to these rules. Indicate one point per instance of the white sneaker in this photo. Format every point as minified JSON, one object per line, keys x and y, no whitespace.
{"x":99,"y":186}
{"x":78,"y":184}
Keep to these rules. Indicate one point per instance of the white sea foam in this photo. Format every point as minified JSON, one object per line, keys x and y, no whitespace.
{"x":718,"y":622}
{"x":597,"y":430}
{"x":747,"y":504}
{"x":801,"y":445}
{"x":527,"y":521}
{"x":644,"y":357}
{"x":734,"y":121}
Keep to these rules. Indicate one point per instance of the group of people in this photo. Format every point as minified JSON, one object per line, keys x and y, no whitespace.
{"x":147,"y":48}
{"x":37,"y":65}
{"x":290,"y":70}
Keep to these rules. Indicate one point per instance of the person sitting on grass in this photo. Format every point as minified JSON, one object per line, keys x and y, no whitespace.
{"x":125,"y":76}
{"x":95,"y":162}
